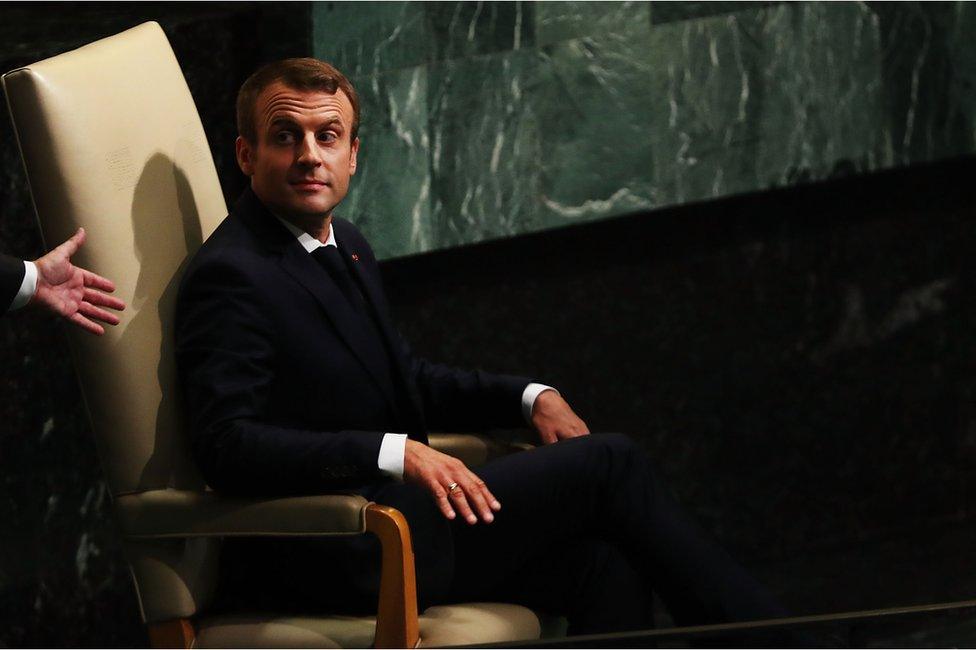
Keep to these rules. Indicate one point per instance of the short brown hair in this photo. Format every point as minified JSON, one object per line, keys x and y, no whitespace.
{"x":300,"y":74}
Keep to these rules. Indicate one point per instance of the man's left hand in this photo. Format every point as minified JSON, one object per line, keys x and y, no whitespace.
{"x":554,"y":420}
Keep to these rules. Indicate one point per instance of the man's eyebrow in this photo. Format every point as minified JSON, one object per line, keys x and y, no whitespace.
{"x":333,"y":121}
{"x":330,"y":122}
{"x":287,"y":121}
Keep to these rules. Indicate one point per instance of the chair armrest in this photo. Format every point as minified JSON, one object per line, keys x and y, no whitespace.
{"x":160,"y":514}
{"x":181,"y":514}
{"x":472,"y":449}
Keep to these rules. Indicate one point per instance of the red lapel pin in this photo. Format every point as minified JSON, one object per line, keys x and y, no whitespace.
{"x":355,"y":258}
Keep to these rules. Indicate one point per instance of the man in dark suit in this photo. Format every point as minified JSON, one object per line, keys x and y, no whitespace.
{"x":297,"y":382}
{"x":53,"y":283}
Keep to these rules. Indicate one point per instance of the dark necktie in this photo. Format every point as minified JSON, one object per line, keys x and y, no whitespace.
{"x":331,"y":259}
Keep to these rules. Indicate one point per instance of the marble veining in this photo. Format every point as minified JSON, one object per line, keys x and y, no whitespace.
{"x":540,"y":115}
{"x":855,"y":329}
{"x":390,"y":193}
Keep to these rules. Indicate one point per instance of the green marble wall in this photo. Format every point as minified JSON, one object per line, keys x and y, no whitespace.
{"x":485,"y":120}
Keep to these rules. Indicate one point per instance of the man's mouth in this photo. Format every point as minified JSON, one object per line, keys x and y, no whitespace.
{"x":307,"y":184}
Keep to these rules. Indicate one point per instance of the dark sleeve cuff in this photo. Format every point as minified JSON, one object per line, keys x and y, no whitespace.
{"x":11,"y":276}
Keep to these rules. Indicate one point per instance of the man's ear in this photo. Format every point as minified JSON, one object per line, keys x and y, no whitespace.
{"x":352,"y":156}
{"x":245,"y":156}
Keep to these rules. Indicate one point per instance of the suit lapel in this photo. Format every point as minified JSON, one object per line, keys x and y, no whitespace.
{"x":305,"y":270}
{"x":373,"y":294}
{"x":297,"y":262}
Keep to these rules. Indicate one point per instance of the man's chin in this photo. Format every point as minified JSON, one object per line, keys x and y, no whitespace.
{"x":306,"y":211}
{"x":314,"y":205}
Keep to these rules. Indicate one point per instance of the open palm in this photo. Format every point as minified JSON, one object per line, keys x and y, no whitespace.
{"x":73,"y":292}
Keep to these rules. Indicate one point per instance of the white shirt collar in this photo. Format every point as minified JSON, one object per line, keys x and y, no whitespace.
{"x":308,"y":242}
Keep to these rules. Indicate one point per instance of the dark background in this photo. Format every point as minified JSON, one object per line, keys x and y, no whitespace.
{"x":798,"y":362}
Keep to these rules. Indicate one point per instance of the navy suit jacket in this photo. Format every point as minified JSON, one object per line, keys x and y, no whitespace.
{"x":11,"y":275}
{"x":285,"y":390}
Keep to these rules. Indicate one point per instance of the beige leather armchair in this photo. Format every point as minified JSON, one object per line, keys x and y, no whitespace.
{"x":111,"y":141}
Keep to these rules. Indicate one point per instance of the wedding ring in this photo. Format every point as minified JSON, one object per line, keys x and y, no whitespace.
{"x":452,"y":487}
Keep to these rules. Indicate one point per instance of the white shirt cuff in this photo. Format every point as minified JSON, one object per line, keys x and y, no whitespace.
{"x":529,"y":395}
{"x":27,"y":287}
{"x":392,"y":449}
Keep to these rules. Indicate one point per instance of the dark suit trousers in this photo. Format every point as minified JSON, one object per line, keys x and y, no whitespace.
{"x":586,"y":531}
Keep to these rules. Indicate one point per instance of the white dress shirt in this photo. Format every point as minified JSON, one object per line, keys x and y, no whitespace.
{"x":393,"y":446}
{"x":28,"y":287}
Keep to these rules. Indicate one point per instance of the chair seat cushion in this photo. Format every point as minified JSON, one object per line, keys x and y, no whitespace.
{"x":445,"y":625}
{"x":476,"y":624}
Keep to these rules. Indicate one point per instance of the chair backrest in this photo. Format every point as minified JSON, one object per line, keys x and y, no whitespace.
{"x":111,"y":140}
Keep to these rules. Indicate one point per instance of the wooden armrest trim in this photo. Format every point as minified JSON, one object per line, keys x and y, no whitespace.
{"x":396,"y":616}
{"x":178,"y":633}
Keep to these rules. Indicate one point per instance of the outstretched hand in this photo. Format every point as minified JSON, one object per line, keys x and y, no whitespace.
{"x":555,"y":420}
{"x":452,"y":485}
{"x":72,"y":292}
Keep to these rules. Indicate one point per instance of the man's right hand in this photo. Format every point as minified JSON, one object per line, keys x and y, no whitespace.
{"x":438,"y":472}
{"x":75,"y":294}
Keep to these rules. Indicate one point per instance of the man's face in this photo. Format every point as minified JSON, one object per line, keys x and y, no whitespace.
{"x":303,"y":158}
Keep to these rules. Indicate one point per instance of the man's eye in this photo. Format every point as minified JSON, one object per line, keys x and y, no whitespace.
{"x":328,"y":136}
{"x":284,"y":137}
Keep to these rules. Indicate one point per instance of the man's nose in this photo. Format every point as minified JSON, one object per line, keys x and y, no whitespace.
{"x":308,"y":152}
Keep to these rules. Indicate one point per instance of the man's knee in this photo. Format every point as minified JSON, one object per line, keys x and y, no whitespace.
{"x":616,"y":461}
{"x":615,"y":446}
{"x":616,"y":441}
